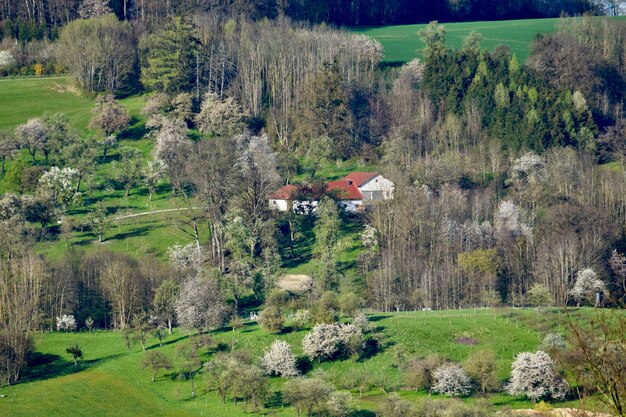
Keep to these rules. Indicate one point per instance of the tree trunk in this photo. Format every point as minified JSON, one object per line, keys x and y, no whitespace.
{"x":169,"y":325}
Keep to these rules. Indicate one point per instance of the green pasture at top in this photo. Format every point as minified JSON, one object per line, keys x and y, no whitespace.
{"x":403,"y":44}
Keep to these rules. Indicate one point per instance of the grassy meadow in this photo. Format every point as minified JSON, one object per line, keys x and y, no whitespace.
{"x":111,"y":374}
{"x":402,"y":44}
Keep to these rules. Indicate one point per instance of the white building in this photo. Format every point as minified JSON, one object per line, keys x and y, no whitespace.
{"x":354,"y":192}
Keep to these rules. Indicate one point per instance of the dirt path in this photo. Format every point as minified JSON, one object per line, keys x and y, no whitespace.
{"x":147,"y":213}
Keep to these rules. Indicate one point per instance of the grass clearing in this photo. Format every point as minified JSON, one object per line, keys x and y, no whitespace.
{"x":402,"y":44}
{"x":111,"y":374}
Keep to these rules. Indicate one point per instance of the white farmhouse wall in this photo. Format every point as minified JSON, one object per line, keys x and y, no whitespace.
{"x":351,"y":206}
{"x":377,"y":189}
{"x":280,"y":205}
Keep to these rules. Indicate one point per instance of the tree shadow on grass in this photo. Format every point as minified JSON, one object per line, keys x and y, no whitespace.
{"x":43,"y":366}
{"x":169,"y":342}
{"x":363,"y":413}
{"x":139,"y":231}
{"x":136,"y":131}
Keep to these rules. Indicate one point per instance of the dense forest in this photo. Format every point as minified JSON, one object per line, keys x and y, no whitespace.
{"x":510,"y":185}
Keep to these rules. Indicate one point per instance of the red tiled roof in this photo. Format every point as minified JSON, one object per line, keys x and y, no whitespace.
{"x":284,"y":193}
{"x":347,"y":189}
{"x":360,"y":178}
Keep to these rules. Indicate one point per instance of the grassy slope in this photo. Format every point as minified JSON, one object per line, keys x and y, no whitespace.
{"x":112,"y":378}
{"x":402,"y":43}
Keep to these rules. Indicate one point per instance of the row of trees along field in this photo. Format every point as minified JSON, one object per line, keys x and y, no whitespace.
{"x":509,"y":177}
{"x":36,"y":19}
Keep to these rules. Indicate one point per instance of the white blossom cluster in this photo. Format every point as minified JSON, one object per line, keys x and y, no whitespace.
{"x":451,"y":380}
{"x":325,"y":340}
{"x":534,"y":376}
{"x":33,"y":133}
{"x":220,"y":117}
{"x":471,"y":234}
{"x":66,"y":323}
{"x":6,"y":59}
{"x":587,"y":285}
{"x":553,"y":341}
{"x":10,"y":207}
{"x":529,"y":167}
{"x":279,"y":360}
{"x":59,"y":185}
{"x":510,"y":220}
{"x":369,"y":237}
{"x":171,"y":140}
{"x":186,"y":257}
{"x":366,"y":48}
{"x":413,"y":71}
{"x":200,"y":304}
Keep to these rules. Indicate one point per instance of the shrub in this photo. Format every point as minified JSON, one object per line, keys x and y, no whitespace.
{"x":481,"y":368}
{"x":553,"y":342}
{"x":419,"y":373}
{"x":534,"y":376}
{"x":539,"y":296}
{"x":302,"y":318}
{"x":339,"y":404}
{"x":325,"y":309}
{"x":451,"y":380}
{"x":279,"y":360}
{"x":272,"y":319}
{"x":362,"y":323}
{"x":308,"y":394}
{"x":349,"y":304}
{"x":76,"y":353}
{"x":394,"y":406}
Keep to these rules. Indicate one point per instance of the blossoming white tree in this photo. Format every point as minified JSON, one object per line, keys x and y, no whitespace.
{"x":66,"y":323}
{"x":6,"y":59}
{"x":587,"y":286}
{"x":59,"y":186}
{"x":279,"y":360}
{"x":326,"y":340}
{"x":534,"y":376}
{"x":451,"y":380}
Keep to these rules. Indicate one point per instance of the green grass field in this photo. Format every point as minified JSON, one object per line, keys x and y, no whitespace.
{"x":402,"y":43}
{"x":111,"y":376}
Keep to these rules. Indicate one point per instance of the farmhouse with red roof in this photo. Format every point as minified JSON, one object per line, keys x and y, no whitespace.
{"x":355,"y":191}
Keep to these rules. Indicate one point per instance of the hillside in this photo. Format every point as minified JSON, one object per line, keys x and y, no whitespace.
{"x":109,"y":373}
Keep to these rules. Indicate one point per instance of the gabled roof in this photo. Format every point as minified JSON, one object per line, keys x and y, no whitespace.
{"x":346,"y":189}
{"x":284,"y":193}
{"x":360,"y":178}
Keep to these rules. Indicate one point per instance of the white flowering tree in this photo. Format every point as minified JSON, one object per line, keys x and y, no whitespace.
{"x":279,"y":360}
{"x":94,"y":8}
{"x":511,"y":221}
{"x":326,"y":340}
{"x":451,"y":380}
{"x":529,"y":167}
{"x":59,"y":186}
{"x":533,"y":375}
{"x":219,"y":117}
{"x":186,"y":257}
{"x":66,"y":323}
{"x":201,"y":305}
{"x":7,"y":59}
{"x":587,"y":286}
{"x":32,"y":135}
